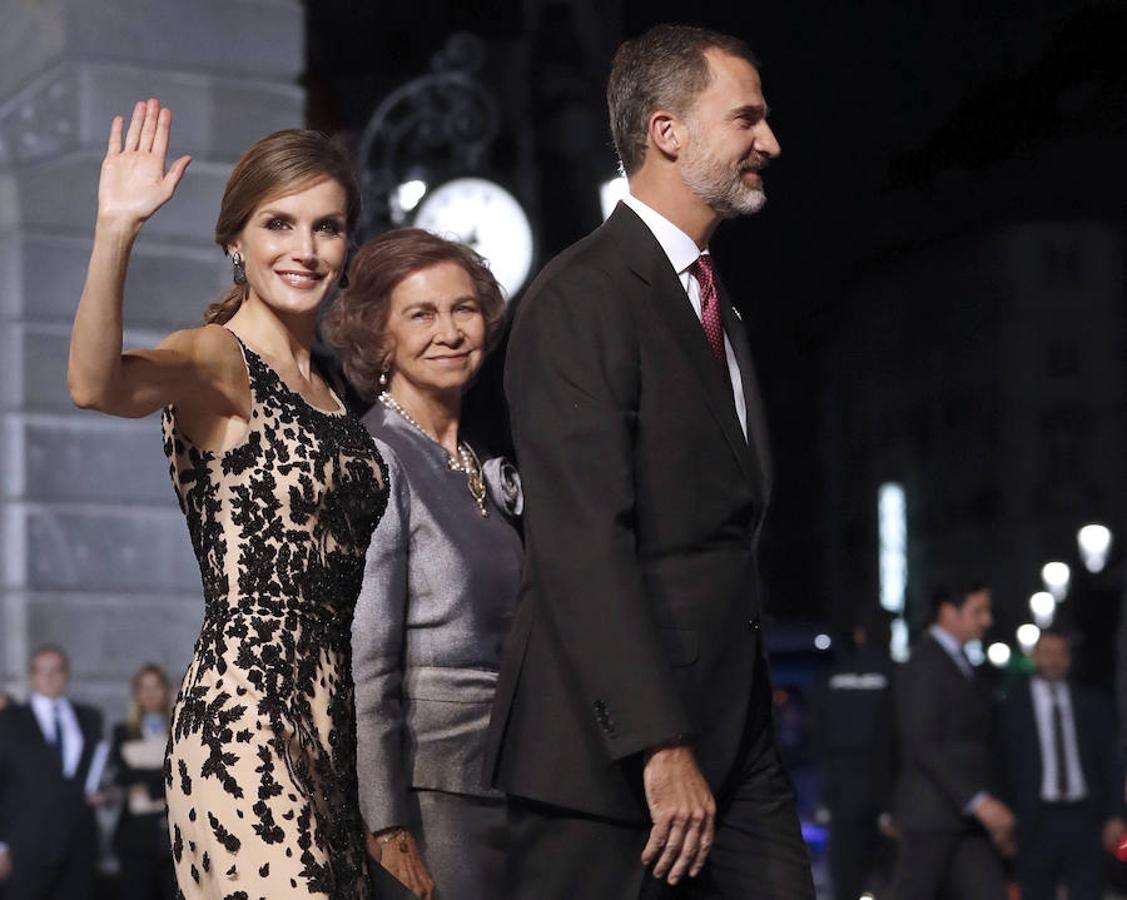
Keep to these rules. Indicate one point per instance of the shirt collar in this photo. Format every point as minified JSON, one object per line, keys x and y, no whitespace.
{"x":43,"y":704}
{"x":947,"y":641}
{"x":681,"y":249}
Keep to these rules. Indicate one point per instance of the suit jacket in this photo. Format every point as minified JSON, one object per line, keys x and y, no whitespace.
{"x":41,"y":812}
{"x":639,"y":612}
{"x":855,"y":734}
{"x":1022,"y":760}
{"x":944,"y":724}
{"x":440,"y":584}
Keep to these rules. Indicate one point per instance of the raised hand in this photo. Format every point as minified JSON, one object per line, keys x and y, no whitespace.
{"x":134,"y":183}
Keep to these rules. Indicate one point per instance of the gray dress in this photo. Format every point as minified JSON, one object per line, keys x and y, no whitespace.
{"x":440,"y":585}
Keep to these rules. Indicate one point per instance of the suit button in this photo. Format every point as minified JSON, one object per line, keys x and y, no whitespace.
{"x":753,"y":624}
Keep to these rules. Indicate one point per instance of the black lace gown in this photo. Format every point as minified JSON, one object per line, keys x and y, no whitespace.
{"x":261,"y":767}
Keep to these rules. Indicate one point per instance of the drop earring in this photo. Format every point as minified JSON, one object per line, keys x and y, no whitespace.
{"x":384,"y":379}
{"x":238,"y":268}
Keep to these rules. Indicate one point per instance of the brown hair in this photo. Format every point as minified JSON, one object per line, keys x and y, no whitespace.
{"x":356,"y":323}
{"x":276,"y":164}
{"x":665,"y":68}
{"x":133,"y":723}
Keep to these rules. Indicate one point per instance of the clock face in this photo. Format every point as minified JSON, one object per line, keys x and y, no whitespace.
{"x":487,"y":218}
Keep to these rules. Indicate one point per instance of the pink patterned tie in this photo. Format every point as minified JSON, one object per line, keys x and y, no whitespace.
{"x":710,"y":307}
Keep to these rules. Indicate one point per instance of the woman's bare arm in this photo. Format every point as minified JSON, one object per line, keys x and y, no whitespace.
{"x":133,"y":185}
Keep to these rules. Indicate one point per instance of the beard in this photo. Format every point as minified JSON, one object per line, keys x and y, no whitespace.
{"x":720,"y":184}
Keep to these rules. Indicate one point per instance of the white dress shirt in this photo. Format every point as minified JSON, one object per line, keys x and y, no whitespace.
{"x":682,"y":251}
{"x":953,"y":648}
{"x":44,"y":709}
{"x":1043,"y":712}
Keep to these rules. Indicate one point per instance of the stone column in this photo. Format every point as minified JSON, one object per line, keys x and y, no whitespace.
{"x":94,"y":553}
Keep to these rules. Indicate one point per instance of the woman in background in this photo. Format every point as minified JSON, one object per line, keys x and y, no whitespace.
{"x":443,"y":568}
{"x":137,"y":755}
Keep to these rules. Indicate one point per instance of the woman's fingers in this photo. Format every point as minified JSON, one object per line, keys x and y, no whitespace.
{"x":175,"y":173}
{"x":149,"y":125}
{"x":160,"y":140}
{"x":133,"y":135}
{"x":114,"y":146}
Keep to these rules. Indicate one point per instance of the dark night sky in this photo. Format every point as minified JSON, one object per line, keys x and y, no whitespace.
{"x":876,"y":104}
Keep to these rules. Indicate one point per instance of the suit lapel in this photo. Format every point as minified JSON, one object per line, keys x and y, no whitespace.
{"x":757,"y":434}
{"x":646,"y":259}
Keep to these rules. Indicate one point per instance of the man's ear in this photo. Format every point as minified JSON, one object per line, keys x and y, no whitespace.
{"x":666,"y":133}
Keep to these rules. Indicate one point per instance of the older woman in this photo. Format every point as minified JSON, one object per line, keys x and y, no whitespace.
{"x":442,"y":573}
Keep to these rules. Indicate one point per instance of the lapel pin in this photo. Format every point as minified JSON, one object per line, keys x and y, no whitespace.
{"x":736,"y":312}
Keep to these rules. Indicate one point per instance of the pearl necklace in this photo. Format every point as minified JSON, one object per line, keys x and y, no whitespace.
{"x":467,"y":465}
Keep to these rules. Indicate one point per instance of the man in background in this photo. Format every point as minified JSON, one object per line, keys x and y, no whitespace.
{"x":1062,"y":777}
{"x":855,"y":736}
{"x":953,"y":829}
{"x":48,"y":835}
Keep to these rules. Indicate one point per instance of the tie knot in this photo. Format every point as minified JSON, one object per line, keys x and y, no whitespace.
{"x":702,"y":269}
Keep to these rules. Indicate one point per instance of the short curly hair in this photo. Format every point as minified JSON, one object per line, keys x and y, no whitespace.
{"x":355,"y":325}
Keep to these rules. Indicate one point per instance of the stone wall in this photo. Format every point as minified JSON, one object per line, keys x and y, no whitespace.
{"x":94,"y":553}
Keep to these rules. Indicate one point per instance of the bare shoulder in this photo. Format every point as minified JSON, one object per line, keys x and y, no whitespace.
{"x":211,"y":364}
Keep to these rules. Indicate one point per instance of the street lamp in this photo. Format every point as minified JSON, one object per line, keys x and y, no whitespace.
{"x":1056,"y":575}
{"x":999,"y":654}
{"x":1028,"y":635}
{"x":1094,"y":542}
{"x":1043,"y":605}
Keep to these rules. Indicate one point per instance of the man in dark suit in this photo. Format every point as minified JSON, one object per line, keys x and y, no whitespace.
{"x":855,"y":737}
{"x":1062,"y":777}
{"x":632,"y":726}
{"x":952,"y":828}
{"x":48,"y":837}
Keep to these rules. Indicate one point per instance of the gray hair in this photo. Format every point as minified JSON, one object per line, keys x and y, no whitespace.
{"x":665,"y":68}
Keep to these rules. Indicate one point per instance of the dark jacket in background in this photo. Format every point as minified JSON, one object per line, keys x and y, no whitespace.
{"x":44,"y":817}
{"x":944,"y":724}
{"x":1095,"y":739}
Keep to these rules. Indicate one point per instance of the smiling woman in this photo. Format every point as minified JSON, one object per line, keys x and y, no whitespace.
{"x":281,"y":490}
{"x":442,"y":571}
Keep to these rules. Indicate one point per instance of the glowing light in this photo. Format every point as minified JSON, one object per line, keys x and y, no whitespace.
{"x":892,"y":515}
{"x":611,"y":192}
{"x":823,"y":642}
{"x":898,"y":645}
{"x":1056,"y":576}
{"x":408,"y":194}
{"x":974,"y":652}
{"x":999,"y":654}
{"x":1028,"y":635}
{"x":1043,"y":605}
{"x":1095,"y":542}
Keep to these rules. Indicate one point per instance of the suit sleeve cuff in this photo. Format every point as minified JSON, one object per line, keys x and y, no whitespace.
{"x":973,"y":803}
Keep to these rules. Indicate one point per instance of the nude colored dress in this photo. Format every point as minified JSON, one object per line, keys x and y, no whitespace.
{"x":261,"y":766}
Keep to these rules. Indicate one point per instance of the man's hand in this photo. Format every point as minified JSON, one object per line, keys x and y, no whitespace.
{"x":1113,"y":832}
{"x":997,"y":819}
{"x":5,"y":865}
{"x":683,"y":813}
{"x":402,"y":858}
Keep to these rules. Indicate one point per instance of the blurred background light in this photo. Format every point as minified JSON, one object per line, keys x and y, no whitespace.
{"x":611,"y":192}
{"x":408,"y":194}
{"x":1043,"y":605}
{"x":898,"y":644}
{"x":1094,"y":542}
{"x":999,"y":654}
{"x":1027,"y":636}
{"x":892,"y":515}
{"x":1056,"y":575}
{"x":823,"y":642}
